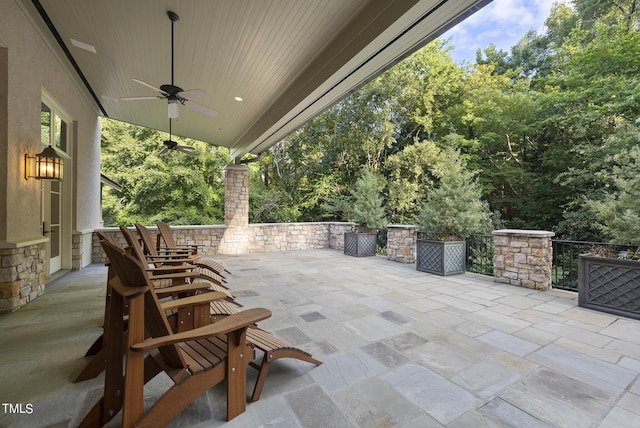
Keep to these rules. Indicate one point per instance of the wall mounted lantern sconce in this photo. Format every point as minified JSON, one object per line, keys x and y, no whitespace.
{"x":47,"y":165}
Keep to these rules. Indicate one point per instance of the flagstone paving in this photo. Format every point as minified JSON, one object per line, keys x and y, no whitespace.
{"x":400,"y":348}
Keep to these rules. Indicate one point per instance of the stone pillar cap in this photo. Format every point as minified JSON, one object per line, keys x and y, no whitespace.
{"x":525,"y":233}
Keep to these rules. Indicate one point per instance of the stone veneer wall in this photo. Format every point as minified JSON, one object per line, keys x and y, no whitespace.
{"x":22,"y":275}
{"x":259,"y":238}
{"x":80,"y":245}
{"x":401,"y":243}
{"x":236,"y":195}
{"x":523,"y":258}
{"x":336,"y":234}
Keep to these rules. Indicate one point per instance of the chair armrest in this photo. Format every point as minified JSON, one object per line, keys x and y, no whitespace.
{"x":195,"y":286}
{"x":172,"y":275}
{"x":165,"y":258}
{"x":168,"y":268}
{"x":127,"y":291}
{"x":226,"y":325}
{"x":198,"y":299}
{"x":173,"y":250}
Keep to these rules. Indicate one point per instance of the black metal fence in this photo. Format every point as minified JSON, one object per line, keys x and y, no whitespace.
{"x":381,"y":242}
{"x":480,"y":254}
{"x":564,"y":267}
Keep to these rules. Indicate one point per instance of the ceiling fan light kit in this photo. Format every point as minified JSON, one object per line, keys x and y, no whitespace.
{"x":173,"y":108}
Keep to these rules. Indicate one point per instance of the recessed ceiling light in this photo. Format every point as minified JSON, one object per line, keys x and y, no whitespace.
{"x":237,"y":98}
{"x":82,"y":45}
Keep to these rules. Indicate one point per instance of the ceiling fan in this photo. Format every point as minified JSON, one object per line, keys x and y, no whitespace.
{"x":172,"y":93}
{"x":173,"y":145}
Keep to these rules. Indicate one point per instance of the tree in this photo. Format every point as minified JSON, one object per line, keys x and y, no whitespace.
{"x":365,"y":206}
{"x":454,"y":209}
{"x":167,"y":187}
{"x":617,"y":210}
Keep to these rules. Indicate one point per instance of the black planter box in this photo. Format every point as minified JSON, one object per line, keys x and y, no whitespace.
{"x":441,"y":257}
{"x":609,"y":285}
{"x":360,"y":244}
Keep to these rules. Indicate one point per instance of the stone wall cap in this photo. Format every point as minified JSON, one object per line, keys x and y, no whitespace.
{"x":20,"y":244}
{"x":82,"y":231}
{"x":234,"y":166}
{"x":403,"y":226}
{"x":525,"y":233}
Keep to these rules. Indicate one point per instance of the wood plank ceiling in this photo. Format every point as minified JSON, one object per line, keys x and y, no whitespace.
{"x":287,"y":59}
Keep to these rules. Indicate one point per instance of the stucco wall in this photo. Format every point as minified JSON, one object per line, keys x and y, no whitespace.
{"x":28,"y":68}
{"x":32,"y":67}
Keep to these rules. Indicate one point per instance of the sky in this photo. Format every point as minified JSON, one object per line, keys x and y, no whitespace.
{"x":502,"y":22}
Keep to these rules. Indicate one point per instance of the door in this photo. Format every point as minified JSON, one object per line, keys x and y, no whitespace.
{"x":55,"y":132}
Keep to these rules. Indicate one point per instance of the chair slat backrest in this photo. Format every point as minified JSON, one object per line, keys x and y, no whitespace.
{"x":133,"y":274}
{"x":134,"y":244}
{"x":147,"y":240}
{"x":167,"y":235}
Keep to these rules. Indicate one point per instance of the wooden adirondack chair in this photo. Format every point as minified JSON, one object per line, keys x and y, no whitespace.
{"x":174,"y":283}
{"x":166,"y":235}
{"x":272,"y":347}
{"x":195,"y":360}
{"x":179,"y":272}
{"x":168,"y":256}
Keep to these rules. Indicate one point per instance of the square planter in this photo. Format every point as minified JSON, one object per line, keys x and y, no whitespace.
{"x":609,"y":285}
{"x":360,"y":244}
{"x":441,"y":257}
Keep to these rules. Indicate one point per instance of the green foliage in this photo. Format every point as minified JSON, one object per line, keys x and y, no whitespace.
{"x":617,"y":210}
{"x":170,"y":187}
{"x":409,"y":175}
{"x":365,"y":206}
{"x":454,"y":209}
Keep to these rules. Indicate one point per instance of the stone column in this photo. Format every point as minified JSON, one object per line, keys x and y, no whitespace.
{"x":236,"y":195}
{"x":236,"y":210}
{"x":401,"y":243}
{"x":523,"y":258}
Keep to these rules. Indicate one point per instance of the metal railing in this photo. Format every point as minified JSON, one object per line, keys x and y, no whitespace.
{"x":564,"y":266}
{"x":480,"y":254}
{"x":381,"y":242}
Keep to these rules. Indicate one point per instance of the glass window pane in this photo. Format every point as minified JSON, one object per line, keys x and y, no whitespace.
{"x":45,"y":124}
{"x":55,"y":241}
{"x":63,"y":136}
{"x":55,"y":208}
{"x":58,"y":125}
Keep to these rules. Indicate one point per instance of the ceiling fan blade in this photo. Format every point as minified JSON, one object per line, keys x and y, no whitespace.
{"x":149,"y":86}
{"x":185,"y":150}
{"x":192,"y":93}
{"x":164,"y":151}
{"x":201,"y":108}
{"x":108,"y":98}
{"x":141,"y":98}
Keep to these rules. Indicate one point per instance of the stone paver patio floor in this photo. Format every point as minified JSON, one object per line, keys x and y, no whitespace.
{"x":400,"y":348}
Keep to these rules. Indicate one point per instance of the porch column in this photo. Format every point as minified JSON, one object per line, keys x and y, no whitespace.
{"x":236,"y":210}
{"x":523,"y":258}
{"x":236,"y":195}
